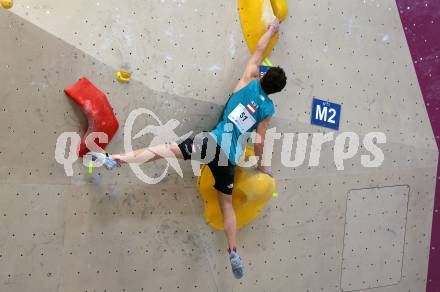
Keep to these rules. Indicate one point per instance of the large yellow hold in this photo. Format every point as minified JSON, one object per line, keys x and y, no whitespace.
{"x":255,"y":17}
{"x":7,"y":4}
{"x":280,"y":9}
{"x":252,"y":190}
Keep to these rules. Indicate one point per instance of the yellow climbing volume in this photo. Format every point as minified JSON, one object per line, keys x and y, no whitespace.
{"x":280,"y":9}
{"x":252,"y":190}
{"x":6,"y":4}
{"x":255,"y":17}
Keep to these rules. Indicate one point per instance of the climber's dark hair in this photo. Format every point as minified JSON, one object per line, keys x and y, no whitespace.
{"x":274,"y":80}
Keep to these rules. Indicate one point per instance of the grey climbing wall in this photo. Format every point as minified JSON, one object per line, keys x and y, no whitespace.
{"x":110,"y":232}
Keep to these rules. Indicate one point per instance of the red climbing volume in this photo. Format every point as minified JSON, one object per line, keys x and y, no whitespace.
{"x":97,"y":108}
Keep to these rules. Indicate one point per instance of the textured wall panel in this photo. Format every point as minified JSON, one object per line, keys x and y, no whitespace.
{"x":375,"y":227}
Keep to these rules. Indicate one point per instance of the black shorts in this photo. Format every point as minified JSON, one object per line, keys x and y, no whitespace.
{"x":222,"y":169}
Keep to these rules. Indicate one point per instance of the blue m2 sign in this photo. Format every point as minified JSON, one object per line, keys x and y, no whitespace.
{"x":326,"y":114}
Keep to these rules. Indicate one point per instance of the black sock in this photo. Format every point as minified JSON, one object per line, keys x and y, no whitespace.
{"x":234,"y":249}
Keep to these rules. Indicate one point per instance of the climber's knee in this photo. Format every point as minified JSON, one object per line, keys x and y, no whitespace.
{"x":176,"y":150}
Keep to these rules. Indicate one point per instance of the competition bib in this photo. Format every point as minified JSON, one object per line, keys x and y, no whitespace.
{"x":241,"y":117}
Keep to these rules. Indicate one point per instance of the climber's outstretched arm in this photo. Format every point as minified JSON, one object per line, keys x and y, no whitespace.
{"x":252,"y":68}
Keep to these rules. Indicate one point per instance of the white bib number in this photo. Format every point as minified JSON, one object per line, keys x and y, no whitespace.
{"x":241,"y":117}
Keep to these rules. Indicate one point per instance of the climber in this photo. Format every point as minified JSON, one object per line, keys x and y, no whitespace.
{"x":248,"y":108}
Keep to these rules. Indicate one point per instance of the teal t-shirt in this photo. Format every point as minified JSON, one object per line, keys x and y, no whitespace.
{"x":242,"y":113}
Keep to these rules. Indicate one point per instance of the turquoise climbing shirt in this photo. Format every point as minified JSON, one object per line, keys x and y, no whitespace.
{"x":243,"y":111}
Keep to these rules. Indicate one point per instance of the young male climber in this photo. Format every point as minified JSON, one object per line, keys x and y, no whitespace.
{"x":249,"y":108}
